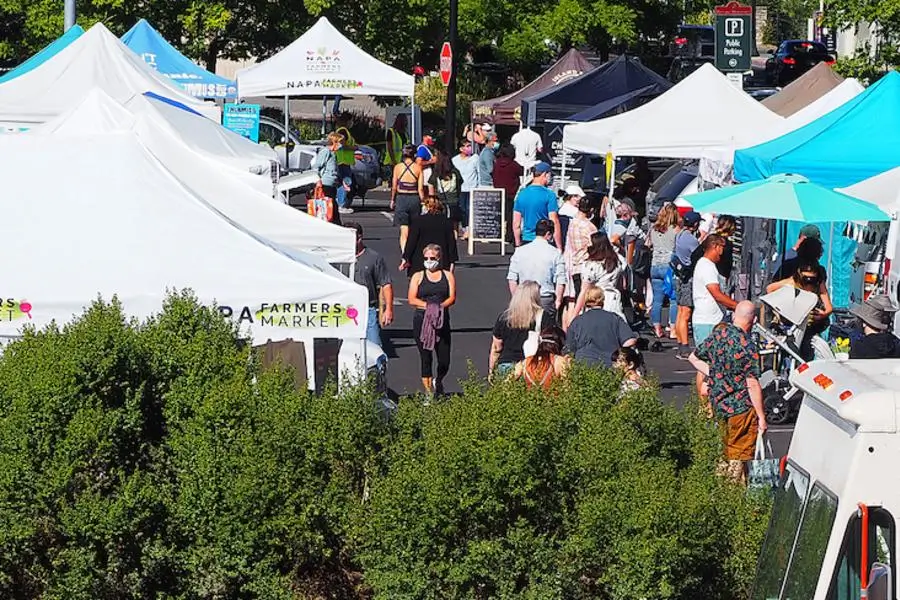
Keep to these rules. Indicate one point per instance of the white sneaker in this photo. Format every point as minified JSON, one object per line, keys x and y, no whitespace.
{"x":345,"y":211}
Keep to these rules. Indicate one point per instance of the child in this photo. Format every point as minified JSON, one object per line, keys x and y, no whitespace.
{"x":344,"y":196}
{"x":631,"y":363}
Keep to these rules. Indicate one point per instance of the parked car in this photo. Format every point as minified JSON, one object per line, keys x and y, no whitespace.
{"x":682,"y":66}
{"x":365,"y":171}
{"x":670,"y":185}
{"x":761,"y":93}
{"x":793,"y":58}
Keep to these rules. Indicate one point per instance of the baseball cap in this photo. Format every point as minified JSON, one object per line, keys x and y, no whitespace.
{"x":691,"y":218}
{"x":574,"y":190}
{"x":541,"y":168}
{"x":811,"y":231}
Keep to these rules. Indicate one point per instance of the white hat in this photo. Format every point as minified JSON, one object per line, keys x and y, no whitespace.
{"x":575,"y":190}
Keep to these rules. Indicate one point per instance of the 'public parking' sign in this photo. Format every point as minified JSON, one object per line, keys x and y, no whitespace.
{"x":733,"y":41}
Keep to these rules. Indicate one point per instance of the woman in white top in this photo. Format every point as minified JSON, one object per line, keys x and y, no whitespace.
{"x":602,"y":269}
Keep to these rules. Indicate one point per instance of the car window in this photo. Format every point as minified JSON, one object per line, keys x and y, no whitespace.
{"x":805,"y":48}
{"x":269,"y":134}
{"x":673,"y":188}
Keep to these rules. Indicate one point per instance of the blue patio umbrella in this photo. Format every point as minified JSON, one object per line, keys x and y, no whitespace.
{"x":787,"y":197}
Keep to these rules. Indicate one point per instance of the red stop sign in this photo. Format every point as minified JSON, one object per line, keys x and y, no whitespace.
{"x":446,"y":63}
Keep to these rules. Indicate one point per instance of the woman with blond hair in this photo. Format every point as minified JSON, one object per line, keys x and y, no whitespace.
{"x":661,"y":240}
{"x":432,"y":291}
{"x":548,"y":363}
{"x":517,"y":327}
{"x":432,"y":227}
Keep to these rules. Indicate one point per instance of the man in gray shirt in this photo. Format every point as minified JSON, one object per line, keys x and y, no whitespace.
{"x":372,"y":273}
{"x":595,"y":334}
{"x":540,"y":262}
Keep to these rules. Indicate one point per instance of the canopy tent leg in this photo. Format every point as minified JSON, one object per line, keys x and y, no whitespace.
{"x":412,"y":116}
{"x":830,"y":259}
{"x":562,"y":169}
{"x":610,"y":181}
{"x":287,"y":133}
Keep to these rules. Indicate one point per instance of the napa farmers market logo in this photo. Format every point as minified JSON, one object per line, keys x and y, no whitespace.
{"x":323,"y":60}
{"x":13,"y":310}
{"x":326,"y":84}
{"x":296,"y":315}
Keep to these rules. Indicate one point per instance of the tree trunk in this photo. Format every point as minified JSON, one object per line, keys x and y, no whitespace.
{"x":211,"y":57}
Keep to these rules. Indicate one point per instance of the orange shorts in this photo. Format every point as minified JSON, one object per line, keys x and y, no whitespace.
{"x":739,"y":433}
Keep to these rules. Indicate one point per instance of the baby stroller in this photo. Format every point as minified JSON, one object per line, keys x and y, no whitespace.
{"x":779,"y":343}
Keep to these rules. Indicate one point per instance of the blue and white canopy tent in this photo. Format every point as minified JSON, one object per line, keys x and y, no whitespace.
{"x":147,"y":43}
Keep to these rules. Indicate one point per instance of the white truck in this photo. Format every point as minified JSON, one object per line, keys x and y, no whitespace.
{"x":832,"y":533}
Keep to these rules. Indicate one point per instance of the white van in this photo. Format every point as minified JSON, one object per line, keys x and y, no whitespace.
{"x":832,"y":533}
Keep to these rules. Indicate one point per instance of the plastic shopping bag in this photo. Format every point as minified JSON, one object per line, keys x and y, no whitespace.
{"x":669,"y":284}
{"x":764,"y":471}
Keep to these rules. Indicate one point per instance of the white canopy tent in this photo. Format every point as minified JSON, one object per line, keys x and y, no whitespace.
{"x":251,"y":163}
{"x":114,"y":222}
{"x":97,"y":59}
{"x":323,"y":62}
{"x":290,"y":229}
{"x":702,"y":112}
{"x":716,"y":165}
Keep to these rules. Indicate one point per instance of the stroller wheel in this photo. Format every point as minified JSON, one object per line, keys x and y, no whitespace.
{"x":778,"y":410}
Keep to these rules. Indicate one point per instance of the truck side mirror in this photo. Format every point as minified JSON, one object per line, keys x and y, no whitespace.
{"x":879,"y":587}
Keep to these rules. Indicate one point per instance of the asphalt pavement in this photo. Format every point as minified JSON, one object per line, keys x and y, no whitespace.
{"x":482,"y":294}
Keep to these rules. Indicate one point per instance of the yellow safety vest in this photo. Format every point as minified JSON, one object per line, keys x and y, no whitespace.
{"x":347,"y":154}
{"x":397,"y":141}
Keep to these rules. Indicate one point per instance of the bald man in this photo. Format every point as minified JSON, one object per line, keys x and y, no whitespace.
{"x":734,"y":393}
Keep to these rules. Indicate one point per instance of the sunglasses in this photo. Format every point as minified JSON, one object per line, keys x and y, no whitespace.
{"x":809,"y":279}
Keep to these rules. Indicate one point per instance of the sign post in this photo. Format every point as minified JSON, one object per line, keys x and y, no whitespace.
{"x":734,"y":37}
{"x":446,"y":63}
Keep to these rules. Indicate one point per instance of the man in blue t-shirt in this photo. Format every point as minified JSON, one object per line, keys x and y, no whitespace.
{"x":533,"y":203}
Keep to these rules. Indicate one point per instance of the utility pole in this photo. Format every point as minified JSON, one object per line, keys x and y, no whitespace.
{"x":450,"y":141}
{"x":70,"y":15}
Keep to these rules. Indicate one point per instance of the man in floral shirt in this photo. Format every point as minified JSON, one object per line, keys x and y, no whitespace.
{"x":730,"y":361}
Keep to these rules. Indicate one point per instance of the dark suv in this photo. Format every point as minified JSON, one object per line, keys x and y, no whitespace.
{"x":793,"y":58}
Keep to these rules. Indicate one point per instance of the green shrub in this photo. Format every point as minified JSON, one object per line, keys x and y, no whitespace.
{"x":505,"y":493}
{"x":157,"y":460}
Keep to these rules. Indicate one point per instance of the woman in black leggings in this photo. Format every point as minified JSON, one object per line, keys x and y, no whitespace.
{"x":432,"y":292}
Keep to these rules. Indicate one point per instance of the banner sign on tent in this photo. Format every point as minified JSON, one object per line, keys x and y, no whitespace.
{"x":242,"y":119}
{"x":733,"y":33}
{"x":574,"y":161}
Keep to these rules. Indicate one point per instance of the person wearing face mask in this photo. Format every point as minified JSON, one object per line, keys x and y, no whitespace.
{"x":432,"y":292}
{"x":486,"y":160}
{"x":326,"y":166}
{"x":467,"y":165}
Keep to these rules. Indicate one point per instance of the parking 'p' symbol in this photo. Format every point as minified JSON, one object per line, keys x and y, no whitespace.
{"x":734,"y":27}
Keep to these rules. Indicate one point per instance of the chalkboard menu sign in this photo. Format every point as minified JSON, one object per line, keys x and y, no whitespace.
{"x":487,"y":217}
{"x":325,"y":361}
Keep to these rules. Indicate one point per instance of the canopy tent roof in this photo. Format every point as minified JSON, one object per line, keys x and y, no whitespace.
{"x":804,"y":90}
{"x":48,"y":52}
{"x":113,"y":221}
{"x":882,"y":190}
{"x":147,"y":43}
{"x":323,"y":62}
{"x":195,"y":160}
{"x":716,"y":165}
{"x":245,"y":160}
{"x":614,"y":105}
{"x":703,"y":112}
{"x":853,"y":142}
{"x":610,"y":80}
{"x":505,"y":110}
{"x":97,"y":59}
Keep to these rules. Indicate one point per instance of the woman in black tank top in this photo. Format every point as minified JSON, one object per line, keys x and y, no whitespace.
{"x":432,"y":292}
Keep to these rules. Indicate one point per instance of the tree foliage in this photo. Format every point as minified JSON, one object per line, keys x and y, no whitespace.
{"x":156,"y":460}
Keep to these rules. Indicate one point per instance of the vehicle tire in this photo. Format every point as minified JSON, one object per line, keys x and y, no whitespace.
{"x":778,"y":410}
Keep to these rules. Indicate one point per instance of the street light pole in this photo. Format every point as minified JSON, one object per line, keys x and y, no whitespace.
{"x":70,"y":14}
{"x":450,"y":141}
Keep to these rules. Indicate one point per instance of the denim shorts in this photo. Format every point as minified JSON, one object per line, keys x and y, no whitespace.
{"x":684,"y":292}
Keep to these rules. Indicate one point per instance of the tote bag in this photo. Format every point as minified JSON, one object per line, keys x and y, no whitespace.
{"x":764,"y":471}
{"x":534,"y":336}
